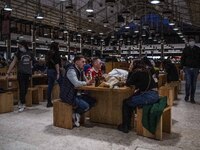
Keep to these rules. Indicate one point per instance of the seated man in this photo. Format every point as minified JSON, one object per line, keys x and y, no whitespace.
{"x":95,"y":71}
{"x":74,"y":77}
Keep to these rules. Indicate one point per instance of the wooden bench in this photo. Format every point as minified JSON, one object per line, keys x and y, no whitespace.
{"x":32,"y":97}
{"x":62,"y":115}
{"x":56,"y":92}
{"x":42,"y":89}
{"x":175,"y":85}
{"x":6,"y":102}
{"x":169,"y":92}
{"x":164,"y":125}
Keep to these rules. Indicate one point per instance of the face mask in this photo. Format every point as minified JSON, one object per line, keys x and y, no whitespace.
{"x":22,"y":49}
{"x":191,"y":43}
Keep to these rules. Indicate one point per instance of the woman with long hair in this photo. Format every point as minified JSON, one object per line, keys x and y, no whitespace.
{"x":145,"y":92}
{"x":53,"y":61}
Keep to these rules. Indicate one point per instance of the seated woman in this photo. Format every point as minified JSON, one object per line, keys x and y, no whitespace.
{"x":145,"y":92}
{"x":171,"y":70}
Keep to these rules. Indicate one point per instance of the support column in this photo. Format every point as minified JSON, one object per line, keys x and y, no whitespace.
{"x":8,"y":48}
{"x":81,"y":45}
{"x":140,"y":48}
{"x":162,"y":50}
{"x":68,"y":46}
{"x":33,"y":39}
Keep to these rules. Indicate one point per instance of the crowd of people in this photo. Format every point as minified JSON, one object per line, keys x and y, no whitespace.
{"x":143,"y":75}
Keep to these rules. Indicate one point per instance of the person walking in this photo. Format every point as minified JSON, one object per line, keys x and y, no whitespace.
{"x":190,"y":61}
{"x":23,"y":58}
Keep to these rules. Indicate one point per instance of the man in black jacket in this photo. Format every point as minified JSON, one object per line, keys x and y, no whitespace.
{"x":190,"y":61}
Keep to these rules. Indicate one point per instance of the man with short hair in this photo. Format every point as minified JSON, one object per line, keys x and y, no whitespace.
{"x":95,"y":71}
{"x":73,"y":78}
{"x":190,"y":61}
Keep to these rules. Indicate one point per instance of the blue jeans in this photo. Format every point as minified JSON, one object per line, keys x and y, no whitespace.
{"x":141,"y":99}
{"x":84,"y":103}
{"x":51,"y":74}
{"x":191,"y":75}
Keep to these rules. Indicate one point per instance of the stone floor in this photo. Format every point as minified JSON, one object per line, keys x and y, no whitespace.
{"x":33,"y":129}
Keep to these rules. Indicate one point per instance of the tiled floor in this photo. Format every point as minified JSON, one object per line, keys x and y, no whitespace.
{"x":33,"y":130}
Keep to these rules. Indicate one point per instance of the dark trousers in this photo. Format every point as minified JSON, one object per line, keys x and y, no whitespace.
{"x":191,"y":75}
{"x":23,"y":80}
{"x":141,"y":99}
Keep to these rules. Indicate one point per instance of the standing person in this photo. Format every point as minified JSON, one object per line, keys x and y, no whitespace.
{"x":53,"y":61}
{"x":190,"y":61}
{"x":23,"y":57}
{"x":74,"y":77}
{"x":95,"y":70}
{"x":145,"y":92}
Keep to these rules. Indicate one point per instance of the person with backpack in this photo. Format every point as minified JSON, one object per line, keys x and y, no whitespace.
{"x":53,"y":62}
{"x":23,"y":58}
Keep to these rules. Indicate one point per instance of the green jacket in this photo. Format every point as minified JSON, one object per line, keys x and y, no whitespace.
{"x":152,"y":113}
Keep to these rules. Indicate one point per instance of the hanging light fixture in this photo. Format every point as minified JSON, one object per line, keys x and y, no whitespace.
{"x":176,"y":28}
{"x":90,"y":7}
{"x":154,"y":2}
{"x":39,"y":13}
{"x":143,"y":33}
{"x":105,"y":23}
{"x":7,"y":6}
{"x":171,"y":22}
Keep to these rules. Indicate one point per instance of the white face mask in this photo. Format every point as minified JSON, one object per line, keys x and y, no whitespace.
{"x":192,"y":43}
{"x":22,"y":49}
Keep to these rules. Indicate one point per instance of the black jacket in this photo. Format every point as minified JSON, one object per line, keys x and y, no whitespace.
{"x":191,"y":57}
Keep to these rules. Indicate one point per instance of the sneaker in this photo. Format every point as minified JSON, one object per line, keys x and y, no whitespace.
{"x":49,"y":104}
{"x":21,"y":108}
{"x":186,"y":99}
{"x":76,"y":119}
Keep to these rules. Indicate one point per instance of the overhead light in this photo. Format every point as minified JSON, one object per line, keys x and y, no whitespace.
{"x":154,"y":1}
{"x":89,"y":10}
{"x":171,"y":22}
{"x":143,"y":33}
{"x":7,"y":7}
{"x":105,"y":23}
{"x":39,"y":14}
{"x":155,"y":39}
{"x":101,"y":33}
{"x":45,"y":34}
{"x":79,"y":35}
{"x":90,"y":7}
{"x":176,"y":28}
{"x":150,"y":37}
{"x":145,"y":26}
{"x":89,"y":30}
{"x":92,"y":38}
{"x":179,"y":32}
{"x":181,"y":36}
{"x":136,"y":30}
{"x":127,"y":27}
{"x":117,"y":28}
{"x":112,"y":36}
